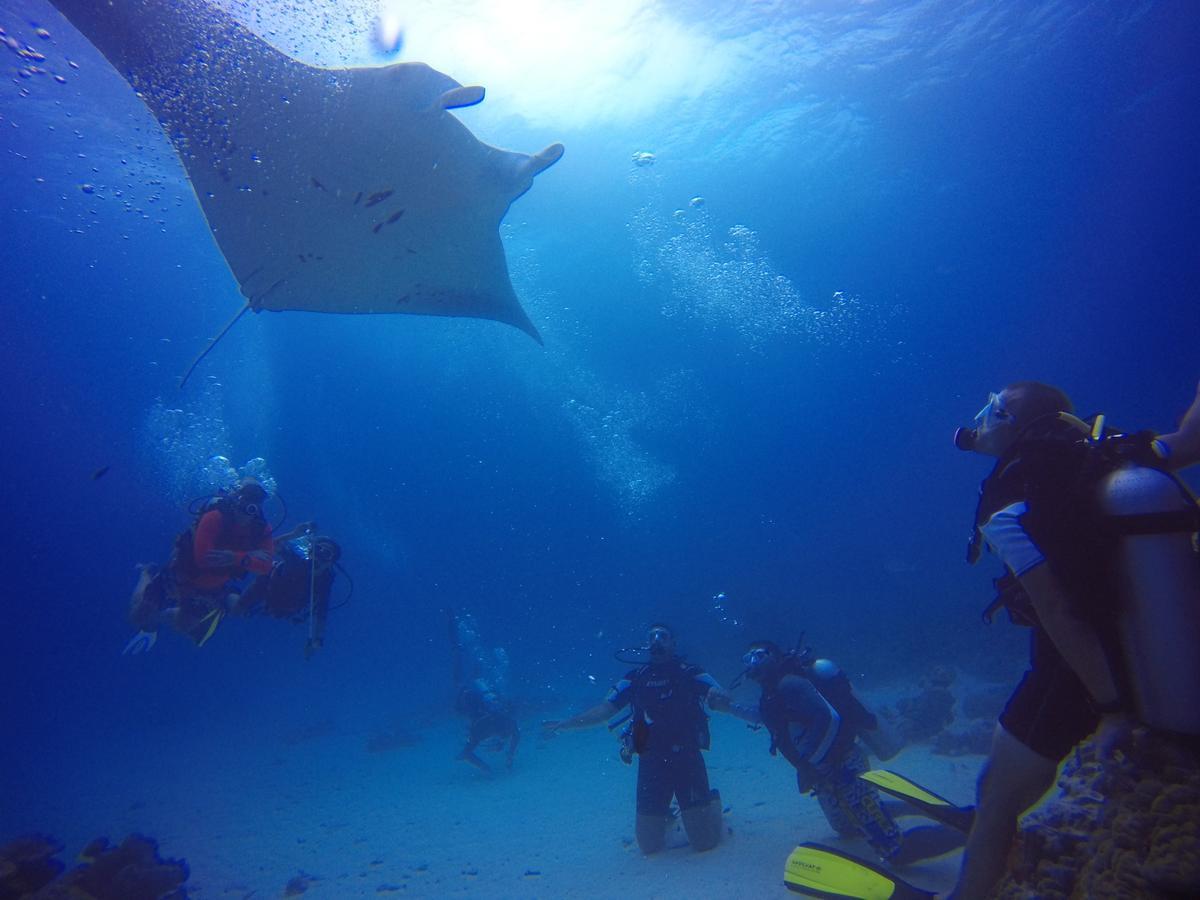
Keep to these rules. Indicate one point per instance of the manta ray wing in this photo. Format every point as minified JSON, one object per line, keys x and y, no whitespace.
{"x":327,"y":190}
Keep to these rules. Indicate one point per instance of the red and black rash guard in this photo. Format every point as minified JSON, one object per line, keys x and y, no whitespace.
{"x":213,"y":533}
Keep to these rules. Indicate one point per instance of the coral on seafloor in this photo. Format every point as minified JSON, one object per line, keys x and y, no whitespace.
{"x":975,"y":738}
{"x":132,"y":870}
{"x":1124,"y":822}
{"x":922,"y":717}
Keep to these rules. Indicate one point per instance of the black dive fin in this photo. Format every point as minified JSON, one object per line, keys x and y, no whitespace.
{"x":818,"y":871}
{"x":925,"y":801}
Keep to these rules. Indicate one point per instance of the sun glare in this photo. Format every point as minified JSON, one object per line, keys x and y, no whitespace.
{"x":567,"y":63}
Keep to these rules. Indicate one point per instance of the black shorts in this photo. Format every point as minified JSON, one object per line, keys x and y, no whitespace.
{"x":1050,"y":711}
{"x":671,"y":773}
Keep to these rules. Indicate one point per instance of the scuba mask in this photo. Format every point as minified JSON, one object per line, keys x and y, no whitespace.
{"x":659,"y":643}
{"x":248,"y":499}
{"x":757,"y":660}
{"x":992,"y":415}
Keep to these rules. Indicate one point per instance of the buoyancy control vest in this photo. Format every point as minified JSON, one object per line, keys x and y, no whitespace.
{"x":833,"y":686}
{"x":183,"y":558}
{"x":667,"y":706}
{"x":1118,"y":531}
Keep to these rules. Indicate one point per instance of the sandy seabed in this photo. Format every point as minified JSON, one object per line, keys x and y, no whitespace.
{"x":415,"y":822}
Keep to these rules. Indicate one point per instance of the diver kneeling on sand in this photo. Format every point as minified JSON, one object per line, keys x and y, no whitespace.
{"x":815,"y":723}
{"x":668,"y":729}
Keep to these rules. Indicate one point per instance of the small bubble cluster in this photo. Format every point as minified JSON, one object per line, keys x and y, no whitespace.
{"x":727,"y":283}
{"x":720,"y":605}
{"x":605,"y":418}
{"x":184,"y":445}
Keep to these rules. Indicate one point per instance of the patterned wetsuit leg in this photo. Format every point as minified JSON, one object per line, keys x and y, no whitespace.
{"x":852,"y":805}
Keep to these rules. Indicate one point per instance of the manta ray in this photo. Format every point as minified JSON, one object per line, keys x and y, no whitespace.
{"x":350,"y":190}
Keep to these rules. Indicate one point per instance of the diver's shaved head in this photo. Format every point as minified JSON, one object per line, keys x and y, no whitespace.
{"x":1029,"y":400}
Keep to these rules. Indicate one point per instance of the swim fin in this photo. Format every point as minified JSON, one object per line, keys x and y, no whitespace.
{"x":818,"y":871}
{"x":925,"y":801}
{"x":215,"y":616}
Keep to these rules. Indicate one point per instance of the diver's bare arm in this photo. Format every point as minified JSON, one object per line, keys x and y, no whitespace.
{"x":299,"y":531}
{"x":1184,"y":443}
{"x":601,"y":712}
{"x":719,"y":700}
{"x":1075,"y":639}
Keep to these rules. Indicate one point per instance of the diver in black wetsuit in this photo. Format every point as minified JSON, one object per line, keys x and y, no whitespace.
{"x":477,"y":681}
{"x":299,"y":584}
{"x":669,"y":728}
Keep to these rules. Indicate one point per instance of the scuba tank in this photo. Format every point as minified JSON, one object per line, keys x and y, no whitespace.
{"x":834,"y":686}
{"x":1159,"y":619}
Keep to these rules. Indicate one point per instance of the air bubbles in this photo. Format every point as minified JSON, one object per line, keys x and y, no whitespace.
{"x":720,"y":605}
{"x":696,"y":202}
{"x":643,"y":158}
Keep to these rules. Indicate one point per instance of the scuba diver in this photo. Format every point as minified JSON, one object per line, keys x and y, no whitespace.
{"x":815,"y":722}
{"x":210,"y":561}
{"x":1097,"y":536}
{"x":479,"y":677}
{"x":668,"y":729}
{"x":492,"y":724}
{"x":299,"y":584}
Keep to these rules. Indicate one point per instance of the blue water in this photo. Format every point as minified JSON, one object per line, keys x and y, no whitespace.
{"x":927,"y":200}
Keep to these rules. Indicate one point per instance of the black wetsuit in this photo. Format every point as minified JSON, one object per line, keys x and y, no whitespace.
{"x":670,"y":729}
{"x":491,"y":718}
{"x":1027,"y":504}
{"x":284,"y":593}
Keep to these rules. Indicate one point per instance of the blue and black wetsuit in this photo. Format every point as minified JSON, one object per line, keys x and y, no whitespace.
{"x":813,"y":737}
{"x":670,"y":729}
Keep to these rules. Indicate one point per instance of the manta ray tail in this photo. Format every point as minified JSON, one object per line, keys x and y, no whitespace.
{"x":212,"y":343}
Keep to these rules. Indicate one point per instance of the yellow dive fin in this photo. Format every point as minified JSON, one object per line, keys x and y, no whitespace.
{"x":817,"y":871}
{"x":215,"y":616}
{"x":925,"y":801}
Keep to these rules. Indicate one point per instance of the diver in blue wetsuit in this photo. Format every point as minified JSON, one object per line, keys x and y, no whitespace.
{"x":815,"y":723}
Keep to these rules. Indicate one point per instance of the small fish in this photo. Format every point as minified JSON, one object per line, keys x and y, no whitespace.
{"x":378,"y":197}
{"x":100,"y":473}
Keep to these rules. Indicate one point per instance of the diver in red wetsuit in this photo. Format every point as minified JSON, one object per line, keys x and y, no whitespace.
{"x":199,"y":585}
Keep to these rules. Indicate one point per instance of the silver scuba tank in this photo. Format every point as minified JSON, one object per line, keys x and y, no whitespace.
{"x":1159,"y":621}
